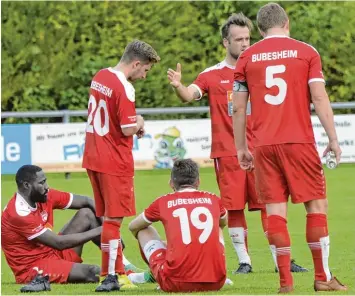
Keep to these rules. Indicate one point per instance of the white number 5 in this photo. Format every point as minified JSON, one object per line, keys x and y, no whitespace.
{"x":97,"y":127}
{"x":270,"y":81}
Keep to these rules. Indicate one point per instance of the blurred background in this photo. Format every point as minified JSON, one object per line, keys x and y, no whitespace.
{"x":51,"y":50}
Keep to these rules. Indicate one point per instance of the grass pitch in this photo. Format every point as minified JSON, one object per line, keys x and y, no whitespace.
{"x":263,"y":280}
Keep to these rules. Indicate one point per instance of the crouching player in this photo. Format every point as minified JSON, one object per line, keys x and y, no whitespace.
{"x":193,"y":257}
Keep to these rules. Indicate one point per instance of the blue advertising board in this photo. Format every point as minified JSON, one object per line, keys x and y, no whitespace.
{"x":15,"y":147}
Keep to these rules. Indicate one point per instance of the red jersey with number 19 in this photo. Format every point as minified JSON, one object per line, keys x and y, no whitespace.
{"x":195,"y":252}
{"x":111,"y":108}
{"x":277,"y":71}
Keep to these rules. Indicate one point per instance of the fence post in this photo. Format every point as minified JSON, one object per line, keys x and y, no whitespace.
{"x":66,"y":119}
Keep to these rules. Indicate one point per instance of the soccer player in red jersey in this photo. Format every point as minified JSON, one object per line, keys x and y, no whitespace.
{"x":112,"y":122}
{"x":282,"y":76}
{"x":237,"y":187}
{"x":27,"y":238}
{"x":193,"y":258}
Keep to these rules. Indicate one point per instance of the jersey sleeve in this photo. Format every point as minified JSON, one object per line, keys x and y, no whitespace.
{"x":315,"y":72}
{"x":60,"y":199}
{"x":222,"y":210}
{"x":29,"y":227}
{"x":240,"y":81}
{"x":127,"y":107}
{"x":152,"y":213}
{"x":201,"y":84}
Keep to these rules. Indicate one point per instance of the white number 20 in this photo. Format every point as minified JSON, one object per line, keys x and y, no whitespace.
{"x":207,"y":225}
{"x":271,"y":81}
{"x":94,"y":118}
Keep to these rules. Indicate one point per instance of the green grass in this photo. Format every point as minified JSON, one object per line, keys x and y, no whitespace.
{"x":151,"y":184}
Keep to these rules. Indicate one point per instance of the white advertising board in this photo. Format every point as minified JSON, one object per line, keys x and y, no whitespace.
{"x":59,"y":147}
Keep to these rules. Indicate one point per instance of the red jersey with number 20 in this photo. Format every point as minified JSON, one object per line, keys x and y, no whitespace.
{"x":217,"y":82}
{"x":111,"y":108}
{"x":195,"y":252}
{"x":277,"y":71}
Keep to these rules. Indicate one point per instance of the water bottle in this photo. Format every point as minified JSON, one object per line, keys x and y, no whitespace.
{"x":331,"y":160}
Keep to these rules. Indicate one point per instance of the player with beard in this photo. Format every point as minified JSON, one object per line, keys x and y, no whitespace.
{"x":237,"y":187}
{"x":32,"y":249}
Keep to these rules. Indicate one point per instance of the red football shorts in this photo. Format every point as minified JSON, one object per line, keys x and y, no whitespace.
{"x":289,"y":169}
{"x":157,"y":261}
{"x":114,"y":195}
{"x":236,"y":186}
{"x":57,"y":266}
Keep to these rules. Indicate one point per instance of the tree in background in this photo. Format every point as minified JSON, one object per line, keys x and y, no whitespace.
{"x":51,"y":50}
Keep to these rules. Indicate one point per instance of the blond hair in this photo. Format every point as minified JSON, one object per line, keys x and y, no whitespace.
{"x":271,"y":15}
{"x":140,"y":50}
{"x":238,"y":19}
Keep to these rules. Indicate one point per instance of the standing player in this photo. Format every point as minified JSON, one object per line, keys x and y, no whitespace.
{"x":193,"y":259}
{"x":282,"y":76}
{"x":236,"y":186}
{"x":108,"y":158}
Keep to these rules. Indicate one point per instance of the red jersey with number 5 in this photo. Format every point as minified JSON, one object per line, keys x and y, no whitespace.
{"x":278,"y":70}
{"x":195,"y":251}
{"x":111,"y":108}
{"x":217,"y":82}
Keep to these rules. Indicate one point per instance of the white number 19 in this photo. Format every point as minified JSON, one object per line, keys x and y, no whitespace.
{"x":271,"y":81}
{"x":207,"y":225}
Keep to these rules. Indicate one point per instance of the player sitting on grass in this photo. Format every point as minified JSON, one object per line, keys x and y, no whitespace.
{"x":33,"y":251}
{"x":193,"y":258}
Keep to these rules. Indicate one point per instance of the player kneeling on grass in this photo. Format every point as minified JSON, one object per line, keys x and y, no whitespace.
{"x":33,"y":251}
{"x":193,"y":258}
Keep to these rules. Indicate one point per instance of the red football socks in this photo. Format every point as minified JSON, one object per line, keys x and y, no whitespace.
{"x":279,"y":239}
{"x":318,"y":242}
{"x":111,"y":250}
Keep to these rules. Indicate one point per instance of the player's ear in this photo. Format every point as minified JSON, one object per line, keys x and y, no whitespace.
{"x":171,"y":184}
{"x":136,"y":64}
{"x":26,"y":185}
{"x":225,"y":42}
{"x":198,"y":183}
{"x":287,"y":26}
{"x":262,"y":33}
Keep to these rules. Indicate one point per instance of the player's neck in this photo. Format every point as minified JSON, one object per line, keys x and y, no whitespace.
{"x":276,"y":32}
{"x":122,"y":68}
{"x":230,"y":61}
{"x":27,"y":198}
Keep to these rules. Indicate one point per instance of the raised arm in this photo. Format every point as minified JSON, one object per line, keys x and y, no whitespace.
{"x":186,"y":94}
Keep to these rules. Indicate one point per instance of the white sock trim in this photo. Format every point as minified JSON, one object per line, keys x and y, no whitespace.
{"x":112,"y":256}
{"x":152,"y":246}
{"x":325,"y":244}
{"x":237,"y":234}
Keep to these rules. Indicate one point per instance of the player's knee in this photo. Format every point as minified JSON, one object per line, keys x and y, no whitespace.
{"x":86,"y":213}
{"x":317,"y":206}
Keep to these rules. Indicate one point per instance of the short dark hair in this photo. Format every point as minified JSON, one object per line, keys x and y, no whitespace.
{"x":271,"y":15}
{"x":27,"y":173}
{"x":184,"y":173}
{"x":140,"y":50}
{"x":238,"y":19}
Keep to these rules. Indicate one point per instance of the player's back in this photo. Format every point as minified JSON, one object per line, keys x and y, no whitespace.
{"x":107,"y":149}
{"x":195,"y":252}
{"x":278,"y":70}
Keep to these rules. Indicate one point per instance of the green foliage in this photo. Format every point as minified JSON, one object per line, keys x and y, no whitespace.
{"x":51,"y":50}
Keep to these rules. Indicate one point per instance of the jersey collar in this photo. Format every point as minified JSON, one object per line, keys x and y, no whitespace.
{"x":276,"y":36}
{"x":22,"y":206}
{"x":225,"y":64}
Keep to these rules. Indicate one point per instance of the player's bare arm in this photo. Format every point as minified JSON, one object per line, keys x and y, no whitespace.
{"x":240,"y":102}
{"x":132,"y":130}
{"x":186,"y":94}
{"x":324,"y":111}
{"x":80,"y":202}
{"x":138,"y":224}
{"x":223,"y":221}
{"x":62,"y":242}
